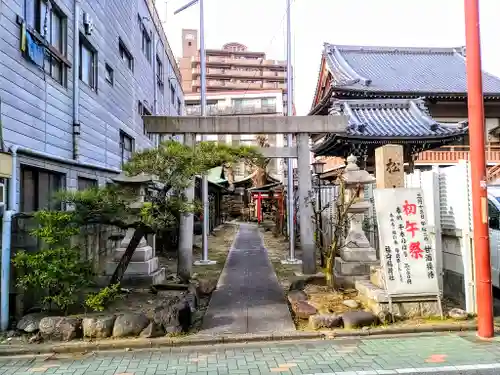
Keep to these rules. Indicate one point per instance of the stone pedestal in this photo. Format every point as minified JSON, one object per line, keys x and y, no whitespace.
{"x":144,"y":266}
{"x":377,"y":300}
{"x":356,"y":254}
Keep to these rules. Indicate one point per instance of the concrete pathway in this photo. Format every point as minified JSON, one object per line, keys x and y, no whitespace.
{"x":438,"y":354}
{"x":249,"y":298}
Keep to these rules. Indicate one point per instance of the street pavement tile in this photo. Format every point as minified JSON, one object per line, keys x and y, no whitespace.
{"x":446,"y":354}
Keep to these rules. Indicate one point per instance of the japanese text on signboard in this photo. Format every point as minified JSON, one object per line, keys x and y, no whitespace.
{"x":407,"y":255}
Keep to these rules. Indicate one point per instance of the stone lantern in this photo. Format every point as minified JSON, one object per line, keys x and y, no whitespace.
{"x":140,"y":185}
{"x":356,"y":253}
{"x":144,"y":264}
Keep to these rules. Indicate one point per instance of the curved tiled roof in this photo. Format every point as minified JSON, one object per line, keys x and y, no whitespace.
{"x":370,"y":120}
{"x":402,"y":69}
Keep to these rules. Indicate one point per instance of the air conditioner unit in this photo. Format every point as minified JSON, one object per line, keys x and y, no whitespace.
{"x":88,"y":26}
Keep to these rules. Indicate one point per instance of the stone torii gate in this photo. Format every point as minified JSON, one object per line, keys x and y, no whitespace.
{"x":300,"y":126}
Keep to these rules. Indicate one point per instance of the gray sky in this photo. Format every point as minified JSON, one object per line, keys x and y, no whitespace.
{"x":260,"y":25}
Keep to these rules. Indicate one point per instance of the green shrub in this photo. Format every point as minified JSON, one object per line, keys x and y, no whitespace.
{"x":98,"y":301}
{"x":57,"y":273}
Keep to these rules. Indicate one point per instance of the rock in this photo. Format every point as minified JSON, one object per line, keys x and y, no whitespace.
{"x":12,"y":333}
{"x":129,"y":325}
{"x":357,"y":319}
{"x":458,"y":314}
{"x":61,"y":328}
{"x":35,"y":339}
{"x":296,"y":296}
{"x":303,"y":310}
{"x":98,"y":327}
{"x":206,"y":286}
{"x":385,"y":317}
{"x":174,"y":316}
{"x":299,"y":284}
{"x":352,"y":304}
{"x":325,"y":321}
{"x":153,"y":330}
{"x":31,"y":322}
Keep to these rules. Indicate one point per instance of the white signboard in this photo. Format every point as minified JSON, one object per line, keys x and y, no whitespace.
{"x":406,"y":252}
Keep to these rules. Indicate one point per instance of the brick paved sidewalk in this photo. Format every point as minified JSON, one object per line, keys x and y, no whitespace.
{"x":248,"y":298}
{"x":437,"y":354}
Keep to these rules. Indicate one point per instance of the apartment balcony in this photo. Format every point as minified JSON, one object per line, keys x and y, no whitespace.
{"x":452,"y":154}
{"x":219,"y":60}
{"x":274,"y":75}
{"x":274,"y":85}
{"x":239,"y":110}
{"x":228,"y":85}
{"x":249,"y":74}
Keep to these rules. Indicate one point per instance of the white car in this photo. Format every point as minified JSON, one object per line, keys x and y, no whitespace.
{"x":494,"y":225}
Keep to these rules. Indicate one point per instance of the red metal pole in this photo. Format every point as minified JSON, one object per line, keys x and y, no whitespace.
{"x":484,"y":295}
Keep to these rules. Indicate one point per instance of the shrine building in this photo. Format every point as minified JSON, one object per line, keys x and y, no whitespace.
{"x":416,"y":97}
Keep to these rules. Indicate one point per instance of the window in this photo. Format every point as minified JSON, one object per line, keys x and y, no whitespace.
{"x":85,"y":183}
{"x":88,"y":63}
{"x":145,"y":40}
{"x":179,"y":106}
{"x":144,"y":111}
{"x":126,"y":147}
{"x":125,"y":55}
{"x":38,"y":187}
{"x":159,"y":72}
{"x":109,"y":75}
{"x":172,"y":93}
{"x":50,"y":23}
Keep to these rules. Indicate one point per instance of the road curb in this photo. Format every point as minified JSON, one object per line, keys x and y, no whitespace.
{"x":202,"y":340}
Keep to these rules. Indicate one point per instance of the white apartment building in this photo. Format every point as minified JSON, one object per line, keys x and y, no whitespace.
{"x":242,"y":103}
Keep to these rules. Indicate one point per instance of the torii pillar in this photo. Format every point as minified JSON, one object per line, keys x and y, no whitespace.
{"x":301,"y":126}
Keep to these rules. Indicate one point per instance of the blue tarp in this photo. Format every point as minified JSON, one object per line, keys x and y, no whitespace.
{"x":36,"y":52}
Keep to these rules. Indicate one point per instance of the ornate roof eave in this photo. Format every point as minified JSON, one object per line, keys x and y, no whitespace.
{"x":333,"y":141}
{"x":351,"y":92}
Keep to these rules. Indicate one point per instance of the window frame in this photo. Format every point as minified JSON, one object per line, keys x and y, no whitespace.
{"x":94,"y":63}
{"x":159,"y":72}
{"x":109,"y":71}
{"x":146,"y":39}
{"x":36,"y":172}
{"x":172,"y":93}
{"x":124,"y":52}
{"x":88,"y":182}
{"x":126,"y":137}
{"x":56,"y":55}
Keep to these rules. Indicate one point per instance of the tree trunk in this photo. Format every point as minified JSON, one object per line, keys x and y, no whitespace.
{"x":330,"y":279}
{"x":127,"y":255}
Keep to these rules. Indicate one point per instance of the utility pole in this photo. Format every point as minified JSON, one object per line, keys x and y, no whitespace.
{"x":203,"y":106}
{"x":484,"y":293}
{"x":289,"y":139}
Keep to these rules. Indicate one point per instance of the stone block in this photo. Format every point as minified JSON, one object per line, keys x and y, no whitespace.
{"x":358,"y":254}
{"x":343,"y":267}
{"x":347,"y":281}
{"x":136,"y":268}
{"x":142,"y":254}
{"x":377,"y":300}
{"x":377,"y":276}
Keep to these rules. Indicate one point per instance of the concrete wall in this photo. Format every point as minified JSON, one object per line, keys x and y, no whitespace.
{"x":37,"y":110}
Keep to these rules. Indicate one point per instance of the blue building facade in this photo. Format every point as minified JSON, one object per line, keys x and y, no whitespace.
{"x":75,"y":78}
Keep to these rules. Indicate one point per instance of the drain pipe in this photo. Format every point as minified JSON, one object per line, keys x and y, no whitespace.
{"x":76,"y":79}
{"x":6,"y":244}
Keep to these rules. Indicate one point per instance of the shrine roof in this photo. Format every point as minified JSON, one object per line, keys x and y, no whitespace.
{"x":402,"y":70}
{"x":388,"y":120}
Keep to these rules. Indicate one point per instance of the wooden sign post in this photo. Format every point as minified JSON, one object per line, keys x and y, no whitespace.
{"x":389,"y":167}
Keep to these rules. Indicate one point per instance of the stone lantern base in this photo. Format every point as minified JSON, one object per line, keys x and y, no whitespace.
{"x":144,"y":267}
